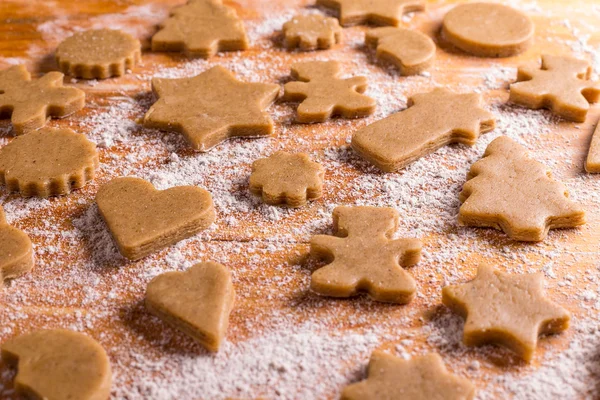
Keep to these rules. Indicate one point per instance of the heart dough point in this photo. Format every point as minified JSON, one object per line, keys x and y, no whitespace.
{"x":16,"y":252}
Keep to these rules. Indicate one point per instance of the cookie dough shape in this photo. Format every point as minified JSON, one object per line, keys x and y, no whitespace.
{"x":311,"y":32}
{"x":59,"y":365}
{"x":412,"y":52}
{"x":561,"y":85}
{"x":592,"y":164}
{"x":488,"y":29}
{"x":432,"y":120}
{"x":379,"y":12}
{"x":143,"y":220}
{"x":420,"y":378}
{"x":29,"y":103}
{"x":197,"y":302}
{"x":508,"y":190}
{"x":201,"y":28}
{"x":323,"y":94}
{"x":507,"y":310}
{"x":362,"y":257}
{"x":284,"y":178}
{"x":98,"y":54}
{"x":48,"y":162}
{"x":16,"y":251}
{"x":211,"y":107}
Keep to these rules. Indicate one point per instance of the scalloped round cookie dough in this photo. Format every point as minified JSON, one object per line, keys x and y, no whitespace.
{"x":488,"y":29}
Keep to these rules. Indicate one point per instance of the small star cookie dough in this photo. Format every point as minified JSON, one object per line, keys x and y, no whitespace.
{"x":311,"y":32}
{"x":379,"y":12}
{"x":592,"y":163}
{"x":16,"y":251}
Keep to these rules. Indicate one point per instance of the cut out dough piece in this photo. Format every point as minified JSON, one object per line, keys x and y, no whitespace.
{"x":363,"y":257}
{"x":59,"y":365}
{"x":508,"y":190}
{"x":211,"y":107}
{"x":201,"y":28}
{"x":412,"y":52}
{"x":379,"y":12}
{"x":323,"y":94}
{"x":285,"y":178}
{"x":488,"y":29}
{"x":48,"y":162}
{"x":197,"y":302}
{"x":311,"y":32}
{"x":98,"y":54}
{"x":420,"y":378}
{"x":16,"y":252}
{"x":29,"y":103}
{"x":507,"y":310}
{"x":561,"y":85}
{"x":143,"y":220}
{"x":592,"y":163}
{"x":432,"y":120}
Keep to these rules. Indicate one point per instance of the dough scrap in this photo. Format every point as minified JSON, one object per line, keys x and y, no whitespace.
{"x":419,"y":378}
{"x":29,"y":103}
{"x":98,"y":54}
{"x":363,"y":257}
{"x":48,"y":162}
{"x":432,"y":120}
{"x":197,"y":301}
{"x":488,"y":29}
{"x":201,"y":28}
{"x":311,"y":32}
{"x":211,"y":107}
{"x":59,"y":364}
{"x":16,"y":251}
{"x":379,"y":12}
{"x":412,"y":52}
{"x":592,"y":164}
{"x":284,"y":178}
{"x":143,"y":220}
{"x":561,"y":85}
{"x":506,"y":310}
{"x":508,"y":190}
{"x":323,"y":94}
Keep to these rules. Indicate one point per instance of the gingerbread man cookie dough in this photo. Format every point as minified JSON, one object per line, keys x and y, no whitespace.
{"x":379,"y":12}
{"x":16,"y":251}
{"x":311,"y":32}
{"x":592,"y":163}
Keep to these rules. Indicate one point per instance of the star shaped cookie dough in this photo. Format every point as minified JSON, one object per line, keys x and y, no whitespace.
{"x":507,"y":310}
{"x":379,"y":12}
{"x":211,"y":107}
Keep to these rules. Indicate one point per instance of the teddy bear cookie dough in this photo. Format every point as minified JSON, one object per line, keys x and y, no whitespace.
{"x":378,"y":12}
{"x":592,"y":163}
{"x":48,"y":162}
{"x":143,"y":220}
{"x":207,"y":108}
{"x":507,"y":310}
{"x":311,"y":32}
{"x":508,"y":190}
{"x":363,"y":257}
{"x":59,"y":365}
{"x":16,"y":251}
{"x":29,"y":103}
{"x":488,"y":29}
{"x":431,"y":121}
{"x":419,"y":378}
{"x":197,"y":301}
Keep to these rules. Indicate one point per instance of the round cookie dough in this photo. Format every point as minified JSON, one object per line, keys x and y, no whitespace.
{"x":488,"y":29}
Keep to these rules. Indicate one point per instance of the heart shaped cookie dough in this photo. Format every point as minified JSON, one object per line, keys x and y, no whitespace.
{"x":16,"y":252}
{"x":143,"y":220}
{"x":197,"y":301}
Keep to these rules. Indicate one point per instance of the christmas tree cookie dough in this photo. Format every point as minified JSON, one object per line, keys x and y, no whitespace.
{"x":16,"y":252}
{"x":592,"y":163}
{"x":311,"y":32}
{"x":379,"y":12}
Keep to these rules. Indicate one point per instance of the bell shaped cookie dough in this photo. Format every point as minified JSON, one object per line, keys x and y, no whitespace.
{"x":311,"y":32}
{"x":197,"y":301}
{"x":507,"y":310}
{"x":592,"y":163}
{"x":379,"y":12}
{"x":16,"y":251}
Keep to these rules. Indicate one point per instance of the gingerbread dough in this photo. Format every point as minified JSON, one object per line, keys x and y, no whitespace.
{"x":48,"y":162}
{"x":412,"y":52}
{"x":561,"y":85}
{"x":98,"y":54}
{"x":211,"y":107}
{"x":201,"y":28}
{"x":197,"y":302}
{"x":363,"y":257}
{"x":420,"y":378}
{"x":432,"y":120}
{"x":592,"y":163}
{"x":488,"y":29}
{"x":16,"y":252}
{"x":285,"y":178}
{"x":29,"y":103}
{"x":59,"y":365}
{"x":508,"y":190}
{"x":324,"y":94}
{"x":143,"y":220}
{"x":507,"y":310}
{"x":379,"y":12}
{"x":311,"y":32}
